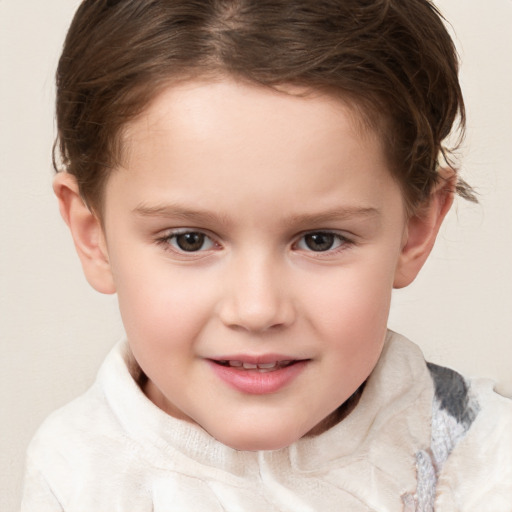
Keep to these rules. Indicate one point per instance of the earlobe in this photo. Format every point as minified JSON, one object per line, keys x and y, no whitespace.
{"x":422,"y":229}
{"x":87,"y":233}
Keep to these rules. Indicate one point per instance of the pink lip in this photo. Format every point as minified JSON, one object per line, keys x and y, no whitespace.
{"x":255,"y":359}
{"x":254,"y":382}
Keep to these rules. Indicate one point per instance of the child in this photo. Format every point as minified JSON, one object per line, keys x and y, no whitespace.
{"x":253,"y":178}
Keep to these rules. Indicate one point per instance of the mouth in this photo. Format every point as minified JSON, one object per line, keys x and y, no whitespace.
{"x":258,"y":375}
{"x":271,"y":366}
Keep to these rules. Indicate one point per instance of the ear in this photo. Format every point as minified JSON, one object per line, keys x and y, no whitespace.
{"x":422,"y":229}
{"x":87,"y":233}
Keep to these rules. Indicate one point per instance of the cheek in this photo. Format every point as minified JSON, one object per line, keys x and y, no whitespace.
{"x":351,"y":299}
{"x":350,"y":313}
{"x":160,"y":304}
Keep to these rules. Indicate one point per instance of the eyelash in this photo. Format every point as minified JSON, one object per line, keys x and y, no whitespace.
{"x":342,"y":242}
{"x":166,"y":241}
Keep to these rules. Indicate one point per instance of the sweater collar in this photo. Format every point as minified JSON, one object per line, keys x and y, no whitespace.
{"x":388,"y":426}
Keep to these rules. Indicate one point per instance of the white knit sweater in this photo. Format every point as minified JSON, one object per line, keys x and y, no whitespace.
{"x":113,"y":450}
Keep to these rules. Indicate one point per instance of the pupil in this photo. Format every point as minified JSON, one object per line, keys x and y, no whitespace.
{"x":319,"y":241}
{"x":190,"y":241}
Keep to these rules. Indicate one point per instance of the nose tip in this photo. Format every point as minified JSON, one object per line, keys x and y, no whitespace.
{"x":257,"y":302}
{"x":256,"y":318}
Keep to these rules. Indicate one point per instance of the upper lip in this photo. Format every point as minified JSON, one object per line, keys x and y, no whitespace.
{"x":257,"y":359}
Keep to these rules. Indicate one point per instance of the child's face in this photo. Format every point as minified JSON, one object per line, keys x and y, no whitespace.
{"x":253,"y":226}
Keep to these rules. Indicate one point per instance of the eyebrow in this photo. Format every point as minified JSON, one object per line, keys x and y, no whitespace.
{"x":338,"y":214}
{"x":175,"y":211}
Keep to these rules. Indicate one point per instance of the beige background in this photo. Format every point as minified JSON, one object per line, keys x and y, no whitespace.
{"x":55,"y":331}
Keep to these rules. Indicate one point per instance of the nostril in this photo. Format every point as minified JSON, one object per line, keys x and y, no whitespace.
{"x":255,"y":300}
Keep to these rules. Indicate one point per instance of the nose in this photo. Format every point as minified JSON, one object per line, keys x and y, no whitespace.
{"x":255,"y":296}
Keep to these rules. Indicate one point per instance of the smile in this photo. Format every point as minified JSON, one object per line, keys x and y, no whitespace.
{"x":261,"y":367}
{"x":250,"y":376}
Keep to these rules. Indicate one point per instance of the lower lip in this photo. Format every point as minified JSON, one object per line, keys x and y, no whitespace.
{"x":258,"y":383}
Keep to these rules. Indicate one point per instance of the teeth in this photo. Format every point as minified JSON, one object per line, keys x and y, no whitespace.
{"x":267,"y":365}
{"x":260,"y":366}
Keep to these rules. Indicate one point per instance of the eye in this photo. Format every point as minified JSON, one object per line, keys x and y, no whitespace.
{"x":189,"y":241}
{"x":321,"y":241}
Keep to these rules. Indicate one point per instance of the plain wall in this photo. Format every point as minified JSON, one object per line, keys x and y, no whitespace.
{"x":55,"y":330}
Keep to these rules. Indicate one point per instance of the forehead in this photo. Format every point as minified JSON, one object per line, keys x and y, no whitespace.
{"x":209,"y":140}
{"x":198,"y":109}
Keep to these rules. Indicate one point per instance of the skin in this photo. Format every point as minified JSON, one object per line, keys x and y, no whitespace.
{"x":255,"y":171}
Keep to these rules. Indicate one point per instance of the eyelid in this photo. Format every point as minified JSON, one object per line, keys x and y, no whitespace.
{"x":165,"y":237}
{"x":345,"y":240}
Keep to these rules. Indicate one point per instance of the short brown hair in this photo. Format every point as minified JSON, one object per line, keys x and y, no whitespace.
{"x":394,"y":59}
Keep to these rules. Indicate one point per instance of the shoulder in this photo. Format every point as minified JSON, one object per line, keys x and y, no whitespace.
{"x":57,"y":450}
{"x":72,"y":431}
{"x":83,"y":444}
{"x":453,"y":396}
{"x":90,"y":424}
{"x":474,"y":428}
{"x":85,"y":427}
